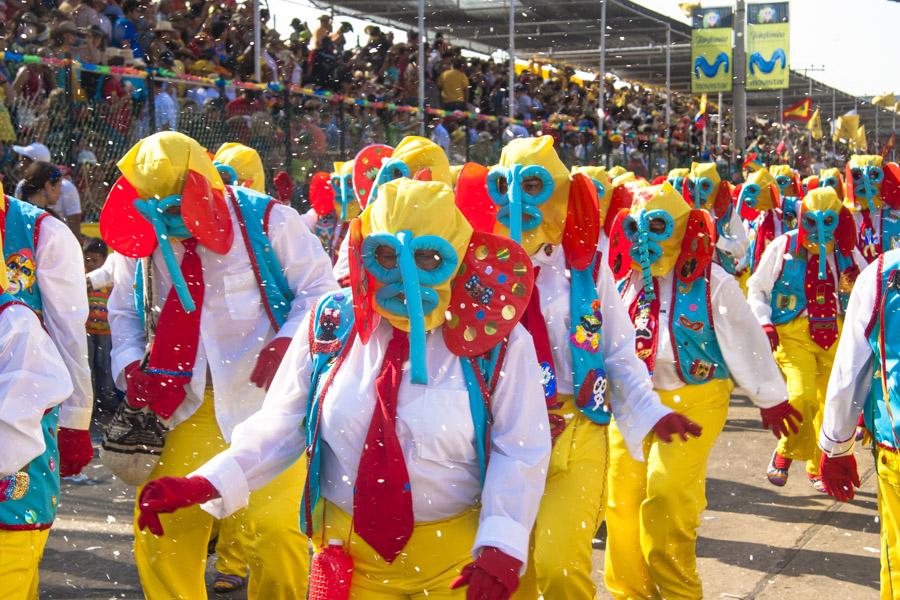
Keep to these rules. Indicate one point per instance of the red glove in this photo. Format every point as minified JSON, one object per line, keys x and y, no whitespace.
{"x":163,"y":393}
{"x":267,"y":362}
{"x":75,"y":450}
{"x":284,"y":185}
{"x":772,"y":334}
{"x":168,"y":494}
{"x":493,"y":576}
{"x":779,"y":417}
{"x":676,"y":424}
{"x":839,"y":475}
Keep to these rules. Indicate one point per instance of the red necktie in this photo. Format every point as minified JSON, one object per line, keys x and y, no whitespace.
{"x":821,"y":303}
{"x":533,"y":322}
{"x":174,"y":348}
{"x":765,"y":233}
{"x":645,"y":316}
{"x":382,"y":498}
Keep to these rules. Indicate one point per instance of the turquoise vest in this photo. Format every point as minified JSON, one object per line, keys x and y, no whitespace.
{"x":20,"y":234}
{"x":696,"y":349}
{"x":878,"y":419}
{"x":725,"y":261}
{"x":252,"y":210}
{"x":788,"y":297}
{"x":890,"y":229}
{"x":330,"y":328}
{"x":37,"y":509}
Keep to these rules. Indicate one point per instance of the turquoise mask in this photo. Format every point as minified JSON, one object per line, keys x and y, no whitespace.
{"x":867,"y":184}
{"x":168,"y":226}
{"x":701,"y":188}
{"x":519,"y":210}
{"x":343,"y":191}
{"x":819,"y":226}
{"x":646,"y":231}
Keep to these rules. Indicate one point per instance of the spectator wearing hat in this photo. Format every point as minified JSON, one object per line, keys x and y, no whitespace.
{"x":84,"y":15}
{"x":64,"y":39}
{"x":67,"y":204}
{"x":93,"y":50}
{"x":338,"y":37}
{"x":322,"y":31}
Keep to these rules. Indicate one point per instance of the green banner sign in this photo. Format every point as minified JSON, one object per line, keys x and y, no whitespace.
{"x":768,"y":46}
{"x":711,"y":45}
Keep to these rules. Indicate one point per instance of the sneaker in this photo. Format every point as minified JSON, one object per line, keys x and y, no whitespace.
{"x":817,"y":483}
{"x":777,"y":473}
{"x":225,"y":584}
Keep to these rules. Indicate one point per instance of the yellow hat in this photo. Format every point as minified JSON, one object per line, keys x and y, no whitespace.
{"x":757,"y":191}
{"x":157,"y":165}
{"x":539,"y":151}
{"x":424,"y":208}
{"x":599,"y":176}
{"x":246,"y":162}
{"x":420,"y":153}
{"x":666,"y":199}
{"x":705,"y":183}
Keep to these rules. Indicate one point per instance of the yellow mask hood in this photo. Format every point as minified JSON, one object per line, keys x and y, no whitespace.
{"x":422,"y":208}
{"x":543,"y":216}
{"x":832,"y":178}
{"x":158,"y":165}
{"x":344,"y":194}
{"x":662,"y":211}
{"x":862,"y":182}
{"x":420,"y":154}
{"x":704,"y":184}
{"x":760,"y":192}
{"x":246,"y":163}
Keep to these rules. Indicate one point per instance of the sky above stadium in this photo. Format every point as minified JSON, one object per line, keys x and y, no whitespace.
{"x":849,"y":45}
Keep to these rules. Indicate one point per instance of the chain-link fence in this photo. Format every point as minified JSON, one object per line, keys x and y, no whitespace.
{"x":89,"y":120}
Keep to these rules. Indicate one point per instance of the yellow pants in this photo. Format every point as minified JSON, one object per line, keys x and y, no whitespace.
{"x":570,"y":513}
{"x":20,"y":557}
{"x":431,"y":560}
{"x":806,"y":367}
{"x":172,"y":566}
{"x":888,"y":467}
{"x":231,"y":546}
{"x":654,"y":507}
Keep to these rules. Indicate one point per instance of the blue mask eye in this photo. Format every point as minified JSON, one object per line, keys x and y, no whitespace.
{"x":875,"y":174}
{"x":829,"y":182}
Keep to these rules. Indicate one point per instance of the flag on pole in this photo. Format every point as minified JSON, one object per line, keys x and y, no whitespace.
{"x":700,"y":119}
{"x":888,"y":145}
{"x":885,"y":100}
{"x":846,"y":127}
{"x":799,"y":111}
{"x":859,"y":141}
{"x":814,"y":125}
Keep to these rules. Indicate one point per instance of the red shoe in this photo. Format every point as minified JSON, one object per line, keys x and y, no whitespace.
{"x":777,"y":473}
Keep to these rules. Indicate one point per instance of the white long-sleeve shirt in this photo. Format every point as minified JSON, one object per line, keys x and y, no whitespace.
{"x":104,"y":276}
{"x":634,"y":404}
{"x":234,"y":326}
{"x":434,"y":428}
{"x":33,"y":379}
{"x":60,"y":276}
{"x":851,"y":375}
{"x":742,"y":341}
{"x":737,"y":240}
{"x":771,"y":264}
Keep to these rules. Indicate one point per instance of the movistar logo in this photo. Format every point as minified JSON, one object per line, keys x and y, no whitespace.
{"x":710,"y":70}
{"x":757,"y":62}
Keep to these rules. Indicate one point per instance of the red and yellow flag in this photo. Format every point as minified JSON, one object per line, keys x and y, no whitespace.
{"x":800,"y":111}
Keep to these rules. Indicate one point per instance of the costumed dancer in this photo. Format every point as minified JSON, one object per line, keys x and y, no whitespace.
{"x":787,"y":180}
{"x":34,"y":382}
{"x":423,"y":417}
{"x":866,"y":379}
{"x":704,"y":189}
{"x":799,"y":299}
{"x":199,"y":325}
{"x":872,"y":193}
{"x":334,"y":205}
{"x":677,"y":177}
{"x":695,"y":332}
{"x":585,"y":345}
{"x":240,"y":165}
{"x":414,"y":157}
{"x":769,"y":214}
{"x":46,"y":271}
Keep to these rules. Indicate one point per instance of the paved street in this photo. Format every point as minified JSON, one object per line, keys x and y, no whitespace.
{"x":756,"y":541}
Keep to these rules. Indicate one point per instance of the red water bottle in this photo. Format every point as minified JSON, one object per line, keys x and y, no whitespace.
{"x":330,"y":573}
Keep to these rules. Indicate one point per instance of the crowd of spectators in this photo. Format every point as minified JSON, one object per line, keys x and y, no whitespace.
{"x":92,"y":118}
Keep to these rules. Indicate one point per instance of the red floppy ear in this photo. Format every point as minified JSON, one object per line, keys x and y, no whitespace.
{"x":776,"y":195}
{"x":582,"y":230}
{"x":890,"y":185}
{"x":422,"y":175}
{"x":205,"y":213}
{"x":697,"y":246}
{"x":661,"y":179}
{"x":365,"y":170}
{"x":489,"y":294}
{"x":723,"y":199}
{"x":849,"y":195}
{"x":845,"y":234}
{"x":619,"y":247}
{"x":122,"y":226}
{"x":365,"y":317}
{"x":811,"y":184}
{"x":798,"y":185}
{"x":621,"y":198}
{"x":321,"y":194}
{"x":472,"y":198}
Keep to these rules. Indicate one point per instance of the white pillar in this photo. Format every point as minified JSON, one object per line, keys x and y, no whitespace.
{"x":421,"y":65}
{"x":602,"y":57}
{"x":669,"y":77}
{"x":257,"y":42}
{"x":512,"y":59}
{"x":721,"y":119}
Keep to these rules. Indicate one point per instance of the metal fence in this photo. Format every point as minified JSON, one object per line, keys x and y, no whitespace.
{"x":89,"y":120}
